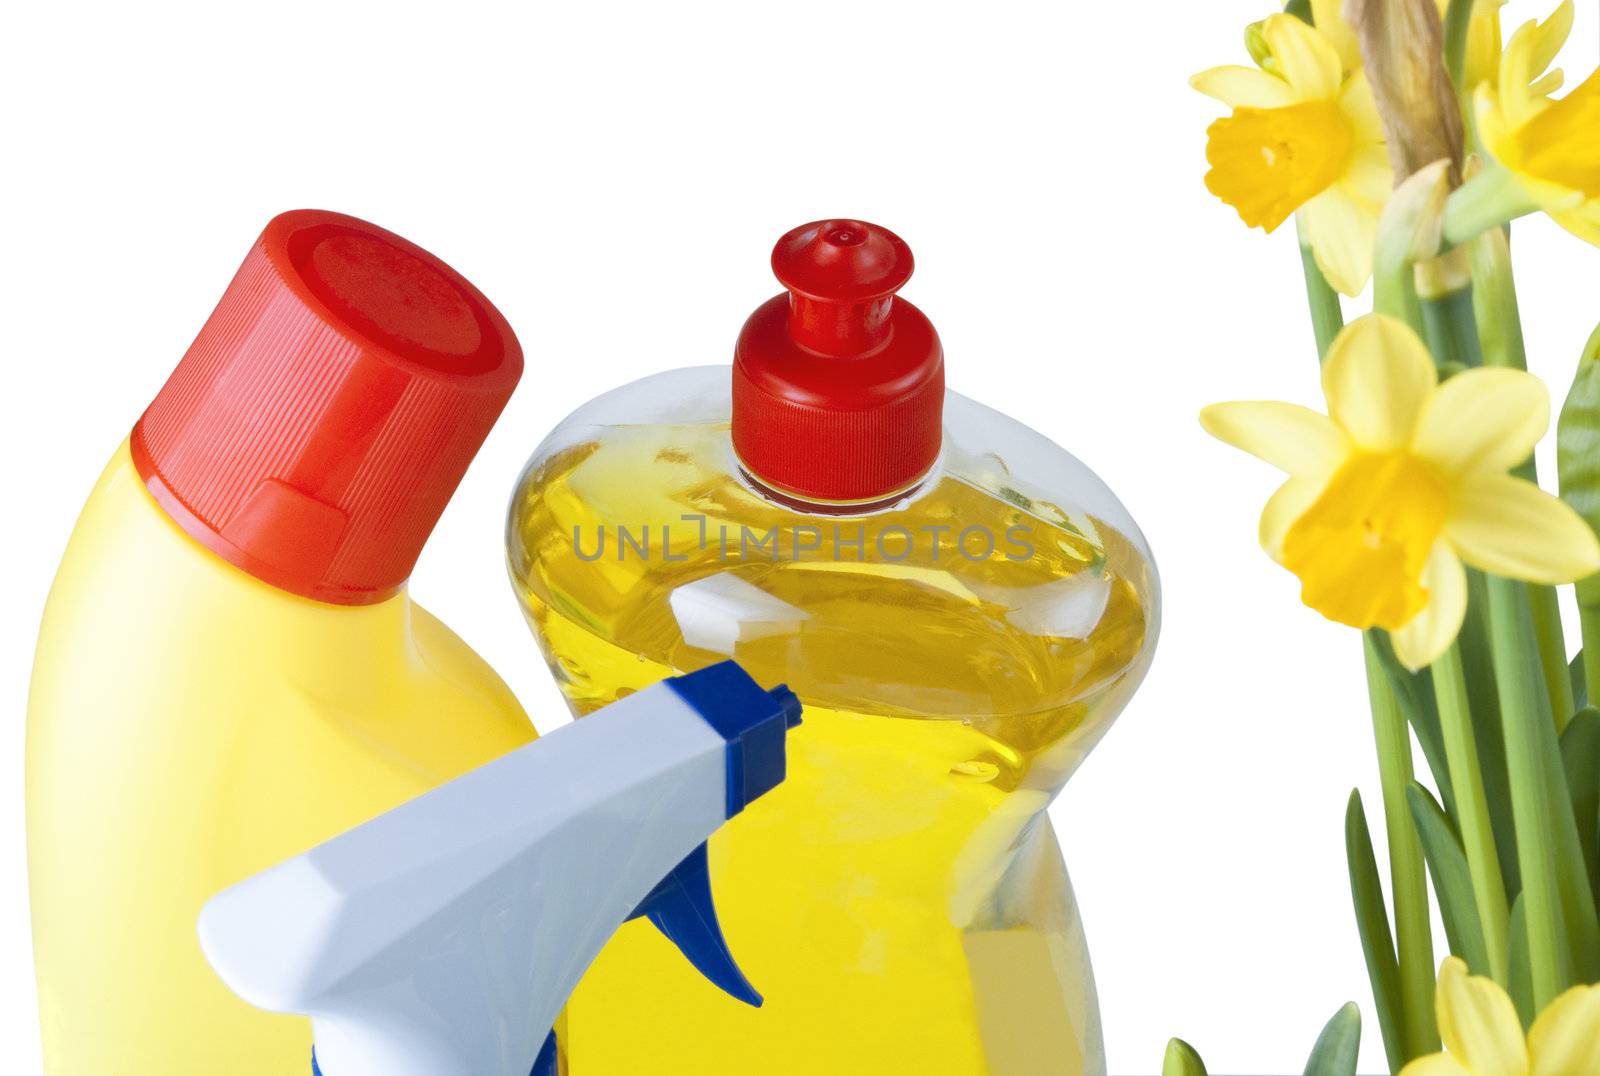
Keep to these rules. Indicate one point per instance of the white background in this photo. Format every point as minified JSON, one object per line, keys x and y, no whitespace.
{"x":613,"y":177}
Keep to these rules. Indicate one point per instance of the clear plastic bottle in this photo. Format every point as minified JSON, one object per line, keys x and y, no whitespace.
{"x":962,"y":607}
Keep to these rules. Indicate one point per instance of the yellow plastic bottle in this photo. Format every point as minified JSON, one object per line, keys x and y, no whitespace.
{"x":230,"y":669}
{"x":962,"y":607}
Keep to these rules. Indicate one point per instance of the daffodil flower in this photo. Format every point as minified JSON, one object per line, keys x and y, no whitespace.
{"x":1304,"y":136}
{"x":1546,"y":153}
{"x":1483,"y":1037}
{"x":1403,"y":480}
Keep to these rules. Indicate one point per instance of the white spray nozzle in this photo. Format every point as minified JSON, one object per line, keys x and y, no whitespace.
{"x":442,"y":938}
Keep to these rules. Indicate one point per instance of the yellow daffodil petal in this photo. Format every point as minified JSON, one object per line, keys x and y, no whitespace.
{"x":1494,"y":128}
{"x":1435,"y":1065}
{"x":1284,"y":507}
{"x":1486,"y":419}
{"x":1419,"y":642}
{"x":1478,"y":1023}
{"x":1306,"y":59}
{"x":1518,"y":72}
{"x":1483,"y":40}
{"x":1328,"y":17}
{"x":1292,"y":438}
{"x":1565,"y":1040}
{"x":1342,"y":229}
{"x":1522,"y":83}
{"x":1547,"y":83}
{"x":1238,"y":86}
{"x":1549,"y":36}
{"x":1377,"y":378}
{"x":1511,"y":527}
{"x":1370,"y":178}
{"x":1361,"y":109}
{"x":1361,"y":548}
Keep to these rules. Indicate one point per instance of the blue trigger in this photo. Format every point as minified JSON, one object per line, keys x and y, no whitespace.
{"x":680,"y":907}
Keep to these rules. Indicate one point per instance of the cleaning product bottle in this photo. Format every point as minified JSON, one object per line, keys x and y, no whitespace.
{"x":962,"y":607}
{"x":440,"y":939}
{"x":230,"y":669}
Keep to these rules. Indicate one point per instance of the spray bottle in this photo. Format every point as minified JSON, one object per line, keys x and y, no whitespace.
{"x":441,"y":938}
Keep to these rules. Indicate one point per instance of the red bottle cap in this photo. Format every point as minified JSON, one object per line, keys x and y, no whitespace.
{"x":838,"y":386}
{"x":323,"y":417}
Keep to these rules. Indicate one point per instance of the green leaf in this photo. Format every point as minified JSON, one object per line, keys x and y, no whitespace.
{"x":1372,"y":921}
{"x":1576,"y":892}
{"x":1521,"y":974}
{"x":1414,"y":693}
{"x":1580,"y":752}
{"x":1182,"y":1060}
{"x":1337,"y":1046}
{"x":1452,"y":880}
{"x":1578,"y":450}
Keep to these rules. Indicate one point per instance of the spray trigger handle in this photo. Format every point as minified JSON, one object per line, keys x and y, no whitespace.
{"x":680,"y":907}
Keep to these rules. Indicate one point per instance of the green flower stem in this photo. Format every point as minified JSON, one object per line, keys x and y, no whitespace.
{"x":1472,"y":808}
{"x":1552,"y":645}
{"x":1394,"y":293}
{"x":1413,"y":928}
{"x":1327,"y":315}
{"x":1451,"y":328}
{"x":1457,"y":26}
{"x":1524,"y":707}
{"x":1499,"y":331}
{"x":1494,"y":294}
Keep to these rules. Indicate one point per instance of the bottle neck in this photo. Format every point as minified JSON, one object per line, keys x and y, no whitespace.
{"x":811,"y":507}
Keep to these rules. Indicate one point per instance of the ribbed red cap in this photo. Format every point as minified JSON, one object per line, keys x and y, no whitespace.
{"x":838,"y":386}
{"x":325,"y":414}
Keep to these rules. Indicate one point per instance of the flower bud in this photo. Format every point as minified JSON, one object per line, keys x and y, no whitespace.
{"x":1182,"y":1060}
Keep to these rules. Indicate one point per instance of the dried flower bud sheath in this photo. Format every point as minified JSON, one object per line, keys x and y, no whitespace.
{"x":1402,"y":49}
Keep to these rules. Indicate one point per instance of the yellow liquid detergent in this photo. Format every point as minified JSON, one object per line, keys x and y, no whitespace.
{"x":189,"y":726}
{"x":900,"y":900}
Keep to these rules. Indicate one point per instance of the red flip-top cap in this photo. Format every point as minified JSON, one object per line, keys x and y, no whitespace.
{"x":325,"y":414}
{"x":838,"y":386}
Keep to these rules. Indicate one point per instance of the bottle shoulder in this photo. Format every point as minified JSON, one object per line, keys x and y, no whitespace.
{"x":1012,"y":578}
{"x":142,"y":616}
{"x":982,"y":446}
